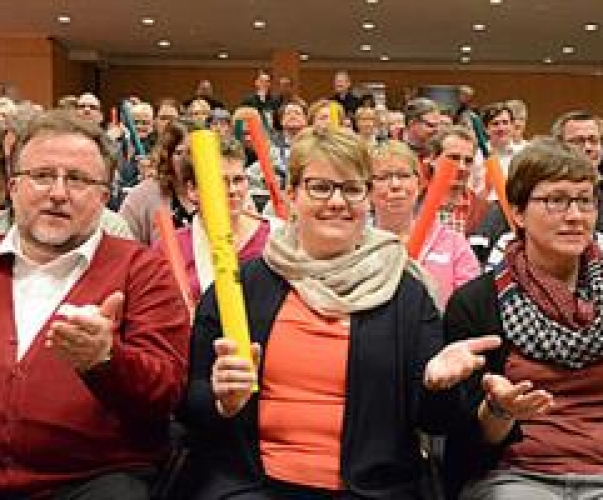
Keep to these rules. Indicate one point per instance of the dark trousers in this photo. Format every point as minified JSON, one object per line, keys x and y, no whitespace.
{"x":277,"y":490}
{"x":112,"y":486}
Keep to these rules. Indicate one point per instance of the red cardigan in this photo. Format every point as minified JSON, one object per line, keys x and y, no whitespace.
{"x":57,"y":426}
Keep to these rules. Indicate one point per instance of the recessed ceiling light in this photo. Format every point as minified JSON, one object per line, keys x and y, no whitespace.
{"x":568,"y":49}
{"x":591,"y":27}
{"x":495,"y":2}
{"x":479,"y":27}
{"x":365,"y":47}
{"x":258,"y":24}
{"x":147,"y":21}
{"x":548,"y":60}
{"x":372,"y":2}
{"x":164,"y":43}
{"x":384,"y":57}
{"x":64,"y":19}
{"x":368,"y":25}
{"x":465,"y":59}
{"x":222,"y":55}
{"x":466,"y":49}
{"x":304,"y":57}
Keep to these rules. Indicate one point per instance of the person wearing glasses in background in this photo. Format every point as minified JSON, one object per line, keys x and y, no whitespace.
{"x":446,"y":254}
{"x":534,"y":412}
{"x":249,"y":230}
{"x":93,"y":330}
{"x":342,"y":327}
{"x":578,"y":129}
{"x":422,"y":123}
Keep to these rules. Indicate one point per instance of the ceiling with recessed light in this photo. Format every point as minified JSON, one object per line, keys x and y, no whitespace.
{"x":429,"y":31}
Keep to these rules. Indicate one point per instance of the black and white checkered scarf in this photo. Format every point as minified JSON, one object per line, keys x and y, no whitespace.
{"x":537,"y":336}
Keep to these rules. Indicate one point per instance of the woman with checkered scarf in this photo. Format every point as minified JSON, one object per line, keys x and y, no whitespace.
{"x":532,"y":427}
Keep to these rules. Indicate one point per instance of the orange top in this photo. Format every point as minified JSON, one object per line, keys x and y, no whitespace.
{"x":303,"y":396}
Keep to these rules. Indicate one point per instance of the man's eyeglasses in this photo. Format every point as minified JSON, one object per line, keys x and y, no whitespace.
{"x":235,"y":180}
{"x":389,"y":177}
{"x":582,"y":141}
{"x":467,"y":160}
{"x":73,"y":180}
{"x":352,"y":191}
{"x":93,"y":107}
{"x":428,"y":124}
{"x":558,"y":204}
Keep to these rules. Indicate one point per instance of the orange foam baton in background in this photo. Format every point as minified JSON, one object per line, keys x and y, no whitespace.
{"x":260,"y":145}
{"x":165,"y":227}
{"x":496,"y":179}
{"x":437,"y":191}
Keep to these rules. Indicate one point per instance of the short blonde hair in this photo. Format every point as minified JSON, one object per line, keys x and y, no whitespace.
{"x":396,"y":149}
{"x":340,"y":147}
{"x":316,"y":106}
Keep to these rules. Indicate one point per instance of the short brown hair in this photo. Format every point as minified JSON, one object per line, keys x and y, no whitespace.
{"x":339,"y":146}
{"x":436,"y":143}
{"x":65,"y":122}
{"x":491,"y":111}
{"x":545,"y":159}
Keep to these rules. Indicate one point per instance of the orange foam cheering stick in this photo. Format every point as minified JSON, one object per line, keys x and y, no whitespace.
{"x":437,"y":191}
{"x":496,"y":179}
{"x":167,"y":232}
{"x":205,"y":151}
{"x":260,"y":145}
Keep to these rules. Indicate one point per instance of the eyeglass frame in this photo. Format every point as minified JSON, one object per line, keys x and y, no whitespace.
{"x":336,"y":186}
{"x":567,"y":202}
{"x":68,"y":178}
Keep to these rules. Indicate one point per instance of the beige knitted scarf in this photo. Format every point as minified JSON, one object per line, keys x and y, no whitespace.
{"x":359,"y":280}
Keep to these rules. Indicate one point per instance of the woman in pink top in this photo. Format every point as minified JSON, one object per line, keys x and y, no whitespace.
{"x":249,"y":229}
{"x":446,"y":254}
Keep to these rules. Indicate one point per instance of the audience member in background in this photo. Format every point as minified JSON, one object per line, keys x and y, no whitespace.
{"x":197,"y":113}
{"x":499,"y":122}
{"x":250,"y":232}
{"x":422,"y":123}
{"x":169,"y":189}
{"x":446,"y":254}
{"x":466,"y":95}
{"x":342,"y":87}
{"x":366,"y":125}
{"x":446,"y":116}
{"x":463,"y":210}
{"x":578,"y":129}
{"x":68,"y":102}
{"x":534,"y":411}
{"x":166,"y":111}
{"x":262,"y":99}
{"x":135,"y":167}
{"x":94,"y":331}
{"x":319,"y":114}
{"x":89,"y":107}
{"x":345,"y":326}
{"x":220,"y":121}
{"x":205,"y":91}
{"x":395,"y":124}
{"x":519,"y":109}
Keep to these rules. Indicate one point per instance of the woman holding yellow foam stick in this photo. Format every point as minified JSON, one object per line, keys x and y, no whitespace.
{"x":346,"y":327}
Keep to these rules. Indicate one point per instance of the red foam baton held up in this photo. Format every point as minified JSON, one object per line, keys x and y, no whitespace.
{"x":260,"y":145}
{"x":165,"y":227}
{"x":437,"y":191}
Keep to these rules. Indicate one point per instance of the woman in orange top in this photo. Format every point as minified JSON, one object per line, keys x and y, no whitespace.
{"x":346,"y":327}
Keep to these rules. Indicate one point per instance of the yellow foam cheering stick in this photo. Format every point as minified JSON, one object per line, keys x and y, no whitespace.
{"x":205,"y":151}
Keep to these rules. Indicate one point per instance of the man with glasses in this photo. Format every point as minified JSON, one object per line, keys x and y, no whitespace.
{"x":88,"y":107}
{"x":422,"y":123}
{"x":92,"y":328}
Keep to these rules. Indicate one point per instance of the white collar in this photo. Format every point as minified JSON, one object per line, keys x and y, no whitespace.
{"x":11,"y":244}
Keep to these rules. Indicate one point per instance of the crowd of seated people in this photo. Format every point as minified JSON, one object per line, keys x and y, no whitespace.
{"x":488,"y":337}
